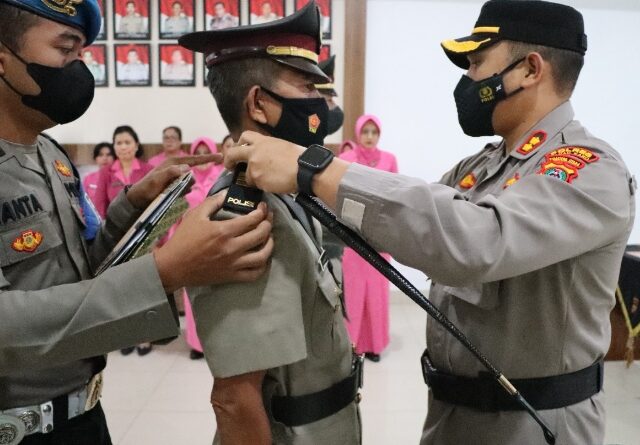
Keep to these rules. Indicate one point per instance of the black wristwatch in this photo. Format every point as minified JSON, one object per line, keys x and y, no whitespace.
{"x":312,"y":161}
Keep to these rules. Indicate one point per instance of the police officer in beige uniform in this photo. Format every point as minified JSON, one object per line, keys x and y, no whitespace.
{"x":278,"y":348}
{"x":56,"y":319}
{"x":523,"y":240}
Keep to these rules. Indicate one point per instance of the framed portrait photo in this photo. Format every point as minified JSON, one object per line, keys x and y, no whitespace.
{"x":132,"y":64}
{"x":95,"y":58}
{"x":131,"y":19}
{"x":221,"y":14}
{"x":102,"y":34}
{"x":325,"y":15}
{"x":325,"y":53}
{"x":176,"y":18}
{"x":265,"y":11}
{"x":176,"y":66}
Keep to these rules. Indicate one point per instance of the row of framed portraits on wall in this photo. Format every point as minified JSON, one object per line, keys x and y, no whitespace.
{"x":133,"y":64}
{"x":132,"y":18}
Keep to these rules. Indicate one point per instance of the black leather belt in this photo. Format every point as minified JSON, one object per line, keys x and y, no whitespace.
{"x":301,"y":410}
{"x":484,"y":393}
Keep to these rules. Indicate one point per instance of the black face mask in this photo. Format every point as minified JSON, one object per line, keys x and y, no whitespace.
{"x":475,"y":101}
{"x":336,"y":119}
{"x":303,"y":121}
{"x":65,"y":93}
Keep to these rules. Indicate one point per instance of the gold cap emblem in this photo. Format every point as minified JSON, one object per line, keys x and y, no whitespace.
{"x":63,"y":6}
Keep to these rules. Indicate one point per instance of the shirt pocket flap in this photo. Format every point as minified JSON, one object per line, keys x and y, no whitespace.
{"x":30,"y":238}
{"x":484,"y":296}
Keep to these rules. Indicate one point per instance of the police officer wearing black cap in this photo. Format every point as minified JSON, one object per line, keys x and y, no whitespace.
{"x":523,"y":240}
{"x":328,"y":91}
{"x":55,"y":318}
{"x":278,"y":348}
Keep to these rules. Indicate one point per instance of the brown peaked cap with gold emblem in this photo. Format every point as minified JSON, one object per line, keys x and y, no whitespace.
{"x":294,"y":41}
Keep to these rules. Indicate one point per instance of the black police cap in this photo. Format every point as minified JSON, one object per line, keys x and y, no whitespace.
{"x":328,"y":67}
{"x":529,"y":21}
{"x":294,"y":41}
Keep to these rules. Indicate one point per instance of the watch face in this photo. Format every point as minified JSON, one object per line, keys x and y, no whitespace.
{"x":315,"y":156}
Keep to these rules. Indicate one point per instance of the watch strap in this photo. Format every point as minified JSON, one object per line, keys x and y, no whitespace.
{"x":305,"y":179}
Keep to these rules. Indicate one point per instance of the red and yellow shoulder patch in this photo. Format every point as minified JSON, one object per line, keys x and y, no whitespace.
{"x":536,"y":139}
{"x":468,"y":181}
{"x":28,"y":241}
{"x":512,"y":180}
{"x":565,"y":162}
{"x":62,"y":168}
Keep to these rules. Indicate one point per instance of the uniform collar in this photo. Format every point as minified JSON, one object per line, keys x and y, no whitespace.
{"x":21,"y":152}
{"x":542,"y":132}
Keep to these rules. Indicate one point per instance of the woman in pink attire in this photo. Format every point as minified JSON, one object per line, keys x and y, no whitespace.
{"x":103,"y":155}
{"x":126,"y":170}
{"x":366,"y":290}
{"x":171,"y":146}
{"x":205,"y":176}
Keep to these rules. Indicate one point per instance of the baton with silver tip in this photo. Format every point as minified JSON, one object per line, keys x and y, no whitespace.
{"x":355,"y":241}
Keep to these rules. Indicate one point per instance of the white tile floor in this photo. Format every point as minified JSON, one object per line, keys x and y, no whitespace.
{"x":163,"y":398}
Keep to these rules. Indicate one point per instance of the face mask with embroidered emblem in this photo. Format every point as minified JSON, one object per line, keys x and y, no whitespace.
{"x":304,"y":121}
{"x":475,"y":101}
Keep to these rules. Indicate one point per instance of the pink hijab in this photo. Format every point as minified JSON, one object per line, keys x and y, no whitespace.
{"x":366,"y":156}
{"x":213,"y":169}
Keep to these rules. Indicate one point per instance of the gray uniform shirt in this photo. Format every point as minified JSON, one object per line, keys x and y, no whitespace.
{"x":289,"y":323}
{"x":53,"y":315}
{"x":524,"y":251}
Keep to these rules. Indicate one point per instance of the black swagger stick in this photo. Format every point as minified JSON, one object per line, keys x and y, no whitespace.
{"x":355,"y":241}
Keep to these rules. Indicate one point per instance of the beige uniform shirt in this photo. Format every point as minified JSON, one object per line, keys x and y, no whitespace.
{"x":53,"y":314}
{"x":289,"y":323}
{"x":132,"y":24}
{"x":524,"y":252}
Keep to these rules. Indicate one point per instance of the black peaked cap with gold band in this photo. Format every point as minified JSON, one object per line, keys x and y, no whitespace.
{"x":328,"y":67}
{"x":529,"y":21}
{"x":294,"y":41}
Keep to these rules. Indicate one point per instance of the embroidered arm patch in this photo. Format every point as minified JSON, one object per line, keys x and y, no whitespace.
{"x":564,"y":163}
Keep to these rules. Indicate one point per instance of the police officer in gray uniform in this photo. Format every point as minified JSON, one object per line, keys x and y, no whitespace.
{"x":56,"y":319}
{"x":278,"y":348}
{"x":523,"y":240}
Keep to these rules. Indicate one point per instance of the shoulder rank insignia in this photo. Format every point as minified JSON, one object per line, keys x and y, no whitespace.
{"x":535,"y":140}
{"x":565,"y":162}
{"x":512,"y":180}
{"x":28,"y":241}
{"x":62,"y":168}
{"x":468,"y":181}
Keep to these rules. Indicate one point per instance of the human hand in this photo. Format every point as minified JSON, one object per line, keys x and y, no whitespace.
{"x":272,"y":164}
{"x":144,"y":191}
{"x":202,"y":251}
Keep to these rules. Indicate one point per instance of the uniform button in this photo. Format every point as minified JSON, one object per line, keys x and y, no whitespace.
{"x":48,"y":428}
{"x":151,"y":315}
{"x":46,"y":408}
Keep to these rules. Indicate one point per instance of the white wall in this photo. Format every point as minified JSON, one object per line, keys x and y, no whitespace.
{"x":410,"y":82}
{"x":150,"y":109}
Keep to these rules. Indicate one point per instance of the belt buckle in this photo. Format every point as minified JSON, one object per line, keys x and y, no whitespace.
{"x":357,"y":364}
{"x":427,"y":366}
{"x":12,"y":430}
{"x":94,"y":391}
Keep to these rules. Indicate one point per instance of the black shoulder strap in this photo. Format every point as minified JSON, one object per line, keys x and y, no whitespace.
{"x":223,"y":182}
{"x":296,"y":211}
